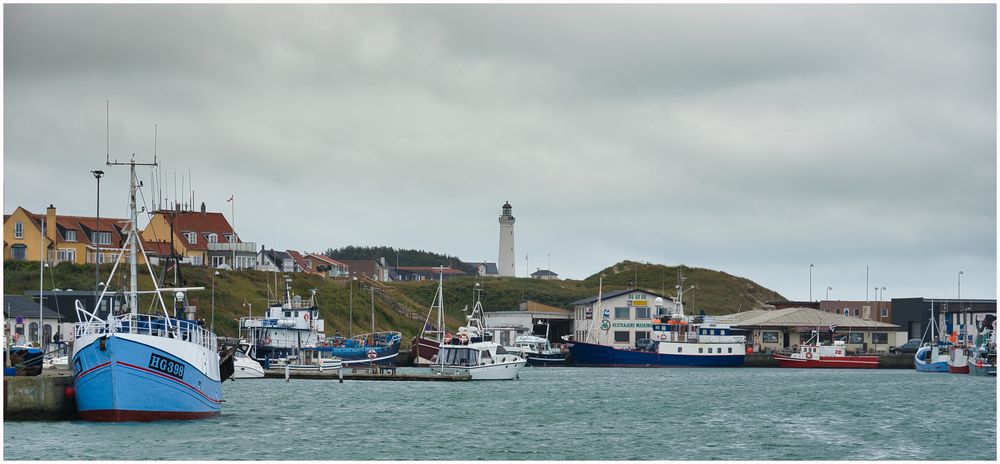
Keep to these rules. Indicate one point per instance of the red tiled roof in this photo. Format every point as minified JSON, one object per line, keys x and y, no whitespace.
{"x":299,"y":261}
{"x":433,"y":269}
{"x":201,"y":224}
{"x":156,"y":248}
{"x":327,"y":259}
{"x":84,"y":225}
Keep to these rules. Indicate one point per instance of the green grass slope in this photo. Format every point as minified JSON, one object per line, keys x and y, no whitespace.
{"x":237,"y":292}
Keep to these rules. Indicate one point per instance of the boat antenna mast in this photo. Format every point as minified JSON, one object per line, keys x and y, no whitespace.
{"x":132,"y":297}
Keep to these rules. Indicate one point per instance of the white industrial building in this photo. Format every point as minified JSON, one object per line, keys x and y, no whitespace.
{"x":620,"y":318}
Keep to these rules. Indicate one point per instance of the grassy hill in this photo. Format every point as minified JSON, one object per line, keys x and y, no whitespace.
{"x":237,"y":292}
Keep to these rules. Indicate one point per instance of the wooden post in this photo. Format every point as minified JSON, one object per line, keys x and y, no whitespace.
{"x":286,"y":372}
{"x":340,"y":374}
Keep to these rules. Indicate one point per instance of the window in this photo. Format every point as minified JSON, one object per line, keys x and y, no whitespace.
{"x":730,"y":349}
{"x":641,"y":335}
{"x":67,"y":254}
{"x":621,"y":313}
{"x":191,"y":237}
{"x":18,"y":230}
{"x":212,"y":238}
{"x":197,"y":260}
{"x":101,"y":238}
{"x":701,"y":350}
{"x":769,"y":337}
{"x":33,"y":331}
{"x":621,"y":336}
{"x":642,"y":313}
{"x":218,"y":261}
{"x":884,"y":312}
{"x":856,"y":338}
{"x":70,"y":235}
{"x":679,"y":349}
{"x":229,"y":238}
{"x":18,"y":252}
{"x":880,"y":337}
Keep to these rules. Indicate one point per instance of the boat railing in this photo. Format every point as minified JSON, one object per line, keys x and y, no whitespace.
{"x":147,"y":324}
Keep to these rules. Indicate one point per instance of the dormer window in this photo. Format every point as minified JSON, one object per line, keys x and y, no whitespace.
{"x":101,"y":238}
{"x":212,"y":238}
{"x":70,"y":235}
{"x":229,"y":238}
{"x":191,"y":237}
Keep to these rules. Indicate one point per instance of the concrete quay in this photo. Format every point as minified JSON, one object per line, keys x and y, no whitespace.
{"x":41,"y":397}
{"x":364,"y":373}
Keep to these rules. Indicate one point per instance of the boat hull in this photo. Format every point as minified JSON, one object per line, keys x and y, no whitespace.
{"x":384,"y":355}
{"x":546,"y":360}
{"x":840,"y":362}
{"x":498,"y":371}
{"x":982,"y":370}
{"x":128,"y":377}
{"x":930,"y":359}
{"x":958,"y":360}
{"x":247,"y":370}
{"x":940,"y":366}
{"x":423,"y":351}
{"x":594,"y":355}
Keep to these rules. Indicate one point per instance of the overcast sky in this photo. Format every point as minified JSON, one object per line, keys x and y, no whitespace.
{"x":754,"y":140}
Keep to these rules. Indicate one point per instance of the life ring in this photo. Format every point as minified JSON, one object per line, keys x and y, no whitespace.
{"x":267,"y":341}
{"x":464,"y":338}
{"x":809,"y":355}
{"x":663,"y":336}
{"x":306,"y":316}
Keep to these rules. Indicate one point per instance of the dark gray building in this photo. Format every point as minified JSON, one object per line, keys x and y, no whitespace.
{"x":913,"y":314}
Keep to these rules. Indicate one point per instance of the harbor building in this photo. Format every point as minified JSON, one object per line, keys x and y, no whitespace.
{"x":913,"y":315}
{"x":622,"y":318}
{"x":778,"y":329}
{"x":505,"y":262}
{"x":869,"y":310}
{"x":531,"y":317}
{"x":21,"y":319}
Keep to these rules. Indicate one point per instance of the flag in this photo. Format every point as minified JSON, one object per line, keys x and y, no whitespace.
{"x":230,"y":198}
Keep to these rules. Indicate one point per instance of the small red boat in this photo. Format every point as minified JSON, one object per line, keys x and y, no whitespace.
{"x":826,"y":356}
{"x":958,"y":359}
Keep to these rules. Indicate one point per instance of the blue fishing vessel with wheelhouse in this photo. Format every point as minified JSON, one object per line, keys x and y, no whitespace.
{"x":142,"y":367}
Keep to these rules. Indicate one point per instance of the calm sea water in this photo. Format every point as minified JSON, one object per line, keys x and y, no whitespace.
{"x":563,"y":413}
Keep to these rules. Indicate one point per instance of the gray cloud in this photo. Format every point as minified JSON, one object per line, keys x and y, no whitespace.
{"x":753,"y":139}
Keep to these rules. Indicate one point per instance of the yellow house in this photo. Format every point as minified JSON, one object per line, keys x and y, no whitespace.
{"x":200,"y":238}
{"x":76,"y":239}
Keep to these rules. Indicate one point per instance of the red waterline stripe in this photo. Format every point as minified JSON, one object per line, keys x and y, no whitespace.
{"x":79,"y":376}
{"x":124,"y":415}
{"x":170,"y":378}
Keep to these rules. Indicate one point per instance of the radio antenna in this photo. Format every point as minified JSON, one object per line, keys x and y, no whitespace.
{"x":107,"y":132}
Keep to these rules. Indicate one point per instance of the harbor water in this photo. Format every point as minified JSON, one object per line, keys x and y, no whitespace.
{"x":562,"y":414}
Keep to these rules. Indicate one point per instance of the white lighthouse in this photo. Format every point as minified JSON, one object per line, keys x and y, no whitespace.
{"x":505,"y":262}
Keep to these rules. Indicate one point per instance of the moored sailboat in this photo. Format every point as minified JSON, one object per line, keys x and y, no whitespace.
{"x":425,"y":346}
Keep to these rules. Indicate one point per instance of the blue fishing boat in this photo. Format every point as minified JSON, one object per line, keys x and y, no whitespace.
{"x":374,"y":348}
{"x":143,"y":367}
{"x":933,"y":355}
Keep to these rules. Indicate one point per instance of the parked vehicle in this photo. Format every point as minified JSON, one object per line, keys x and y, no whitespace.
{"x":909,"y":347}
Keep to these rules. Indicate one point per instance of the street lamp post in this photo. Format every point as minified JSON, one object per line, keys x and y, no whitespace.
{"x":97,"y":269}
{"x":960,"y":289}
{"x":811,"y":282}
{"x":213,"y":301}
{"x":881,"y":296}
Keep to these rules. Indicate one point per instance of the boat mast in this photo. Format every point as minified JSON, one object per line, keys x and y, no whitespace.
{"x":133,"y":236}
{"x":440,"y":299}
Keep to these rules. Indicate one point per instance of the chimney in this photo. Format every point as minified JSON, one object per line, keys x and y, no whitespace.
{"x":51,"y":231}
{"x":203,"y":207}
